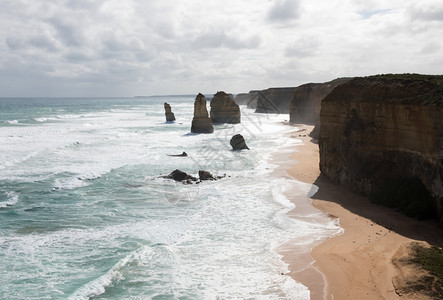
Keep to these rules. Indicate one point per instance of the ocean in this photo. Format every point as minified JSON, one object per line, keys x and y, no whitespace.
{"x":85,"y":213}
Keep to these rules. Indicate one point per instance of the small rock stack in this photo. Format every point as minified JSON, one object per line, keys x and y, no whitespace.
{"x":168,"y":113}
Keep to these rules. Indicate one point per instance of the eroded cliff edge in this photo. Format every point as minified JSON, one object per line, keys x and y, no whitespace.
{"x":376,"y":128}
{"x":306,"y":103}
{"x":272,"y":100}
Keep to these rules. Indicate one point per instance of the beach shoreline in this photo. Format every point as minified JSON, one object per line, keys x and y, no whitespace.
{"x":356,"y":264}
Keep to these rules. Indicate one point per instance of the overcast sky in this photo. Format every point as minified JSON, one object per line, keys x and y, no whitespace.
{"x":146,"y":47}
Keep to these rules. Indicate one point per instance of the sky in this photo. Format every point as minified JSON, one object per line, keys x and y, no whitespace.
{"x":113,"y":48}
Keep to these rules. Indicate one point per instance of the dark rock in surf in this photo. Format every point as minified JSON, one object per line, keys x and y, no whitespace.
{"x":178,"y":175}
{"x":168,"y":113}
{"x":238,"y":142}
{"x":205,"y":175}
{"x":184,"y":154}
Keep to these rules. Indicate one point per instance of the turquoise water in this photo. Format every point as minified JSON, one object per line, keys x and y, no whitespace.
{"x":85,"y":215}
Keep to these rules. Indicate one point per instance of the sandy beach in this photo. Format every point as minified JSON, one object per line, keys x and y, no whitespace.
{"x":357,"y":264}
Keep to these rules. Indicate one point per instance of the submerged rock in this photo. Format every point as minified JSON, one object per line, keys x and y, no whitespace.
{"x":224,"y":109}
{"x":201,"y":123}
{"x":168,"y":113}
{"x":238,"y":142}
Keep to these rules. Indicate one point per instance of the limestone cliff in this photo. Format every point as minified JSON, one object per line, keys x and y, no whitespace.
{"x":201,"y":123}
{"x":224,"y":109}
{"x":242,"y":99}
{"x":381,"y":127}
{"x":306,"y":101}
{"x":273,"y":100}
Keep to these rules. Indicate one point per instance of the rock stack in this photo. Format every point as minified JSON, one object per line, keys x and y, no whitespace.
{"x":168,"y":113}
{"x":224,"y":109}
{"x":201,"y":123}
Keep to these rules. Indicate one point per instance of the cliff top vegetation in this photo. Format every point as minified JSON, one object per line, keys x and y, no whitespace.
{"x":414,"y":89}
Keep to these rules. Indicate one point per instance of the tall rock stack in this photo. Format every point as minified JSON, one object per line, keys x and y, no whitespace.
{"x":168,"y":113}
{"x":201,"y":123}
{"x":224,"y":109}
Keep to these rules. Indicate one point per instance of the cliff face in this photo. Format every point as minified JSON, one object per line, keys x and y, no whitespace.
{"x":201,"y":123}
{"x":224,"y":109}
{"x":242,"y":99}
{"x":381,"y":127}
{"x":273,"y":100}
{"x":306,"y":101}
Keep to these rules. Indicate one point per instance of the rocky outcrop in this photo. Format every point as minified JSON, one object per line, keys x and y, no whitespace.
{"x":205,"y":175}
{"x":238,"y":142}
{"x":201,"y":123}
{"x":186,"y":178}
{"x":383,"y":127}
{"x":306,"y":102}
{"x":181,"y":176}
{"x":168,"y":113}
{"x":224,"y":109}
{"x":273,"y":100}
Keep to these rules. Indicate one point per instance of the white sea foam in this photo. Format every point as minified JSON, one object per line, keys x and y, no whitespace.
{"x":69,"y":183}
{"x":12,"y":122}
{"x":98,"y":286}
{"x":41,"y":119}
{"x":12,"y":199}
{"x":226,"y":231}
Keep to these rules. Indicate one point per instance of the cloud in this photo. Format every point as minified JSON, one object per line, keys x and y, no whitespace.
{"x":114,"y":47}
{"x":67,"y":31}
{"x":431,"y":48}
{"x":219,"y":39}
{"x":303,"y":47}
{"x":284,"y":10}
{"x":430,"y":12}
{"x":368,"y":13}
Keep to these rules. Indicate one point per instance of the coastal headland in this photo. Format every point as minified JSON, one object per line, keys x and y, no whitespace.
{"x":376,"y":163}
{"x":358,"y":264}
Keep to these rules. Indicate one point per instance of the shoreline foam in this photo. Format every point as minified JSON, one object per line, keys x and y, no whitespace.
{"x":358,"y":263}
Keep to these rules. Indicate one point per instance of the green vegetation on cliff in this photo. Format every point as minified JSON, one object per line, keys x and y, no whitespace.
{"x":433,"y":97}
{"x":402,"y":88}
{"x":431,"y":260}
